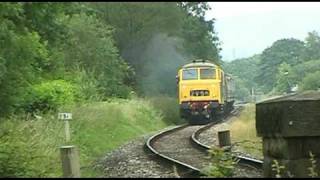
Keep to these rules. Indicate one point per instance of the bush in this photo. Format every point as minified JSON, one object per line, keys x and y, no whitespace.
{"x":87,"y":85}
{"x":49,"y":95}
{"x":168,"y":107}
{"x":92,"y":48}
{"x":223,"y":164}
{"x":311,"y":81}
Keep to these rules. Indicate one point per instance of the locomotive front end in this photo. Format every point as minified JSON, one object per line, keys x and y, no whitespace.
{"x":199,"y":91}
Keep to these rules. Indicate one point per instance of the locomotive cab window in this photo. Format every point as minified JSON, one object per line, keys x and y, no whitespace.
{"x":208,"y":73}
{"x":189,"y":74}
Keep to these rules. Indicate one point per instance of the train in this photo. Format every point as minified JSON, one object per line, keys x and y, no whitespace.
{"x":205,"y":91}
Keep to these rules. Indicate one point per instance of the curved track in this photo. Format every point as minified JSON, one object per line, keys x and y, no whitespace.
{"x":180,"y":147}
{"x":174,"y":146}
{"x":247,"y":161}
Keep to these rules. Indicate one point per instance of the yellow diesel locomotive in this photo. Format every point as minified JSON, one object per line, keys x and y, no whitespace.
{"x":204,"y":91}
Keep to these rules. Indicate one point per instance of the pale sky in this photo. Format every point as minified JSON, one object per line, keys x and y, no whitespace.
{"x":246,"y":28}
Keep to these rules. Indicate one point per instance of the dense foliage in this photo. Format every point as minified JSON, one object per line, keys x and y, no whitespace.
{"x":243,"y":71}
{"x":98,"y":48}
{"x":62,"y":54}
{"x":157,"y":38}
{"x":287,"y":65}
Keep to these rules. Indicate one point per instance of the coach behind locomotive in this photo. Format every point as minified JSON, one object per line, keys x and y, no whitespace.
{"x":204,"y":91}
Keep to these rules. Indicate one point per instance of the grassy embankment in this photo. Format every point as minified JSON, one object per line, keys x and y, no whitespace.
{"x":243,"y":132}
{"x":29,"y":147}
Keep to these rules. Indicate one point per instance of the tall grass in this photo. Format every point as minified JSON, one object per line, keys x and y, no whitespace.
{"x":243,"y":132}
{"x":29,"y":147}
{"x":168,"y":107}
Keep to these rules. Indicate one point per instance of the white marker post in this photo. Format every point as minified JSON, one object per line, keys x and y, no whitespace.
{"x":69,"y":154}
{"x":66,"y":117}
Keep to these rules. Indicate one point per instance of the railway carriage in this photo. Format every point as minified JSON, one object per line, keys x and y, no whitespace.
{"x":204,"y":91}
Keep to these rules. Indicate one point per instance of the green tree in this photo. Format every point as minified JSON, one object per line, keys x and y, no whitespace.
{"x":285,"y":80}
{"x":141,"y":23}
{"x":102,"y":42}
{"x":135,"y":31}
{"x":245,"y":69}
{"x":242,"y":92}
{"x":92,"y":48}
{"x":199,"y":35}
{"x":45,"y":18}
{"x":285,"y":50}
{"x":21,"y":52}
{"x":311,"y":81}
{"x":301,"y":70}
{"x":312,"y":46}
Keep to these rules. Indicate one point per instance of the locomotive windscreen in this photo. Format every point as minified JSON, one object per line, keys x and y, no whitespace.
{"x":208,"y":73}
{"x":189,"y":74}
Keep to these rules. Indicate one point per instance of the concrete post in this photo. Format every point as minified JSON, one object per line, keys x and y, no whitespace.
{"x":70,"y":161}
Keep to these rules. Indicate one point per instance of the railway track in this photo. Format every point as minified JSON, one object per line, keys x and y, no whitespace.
{"x":180,"y":147}
{"x":243,"y":160}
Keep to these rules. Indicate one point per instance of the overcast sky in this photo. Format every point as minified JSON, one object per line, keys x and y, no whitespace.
{"x":246,"y":28}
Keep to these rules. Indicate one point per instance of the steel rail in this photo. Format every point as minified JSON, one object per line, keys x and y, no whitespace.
{"x":193,"y":171}
{"x":242,"y":159}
